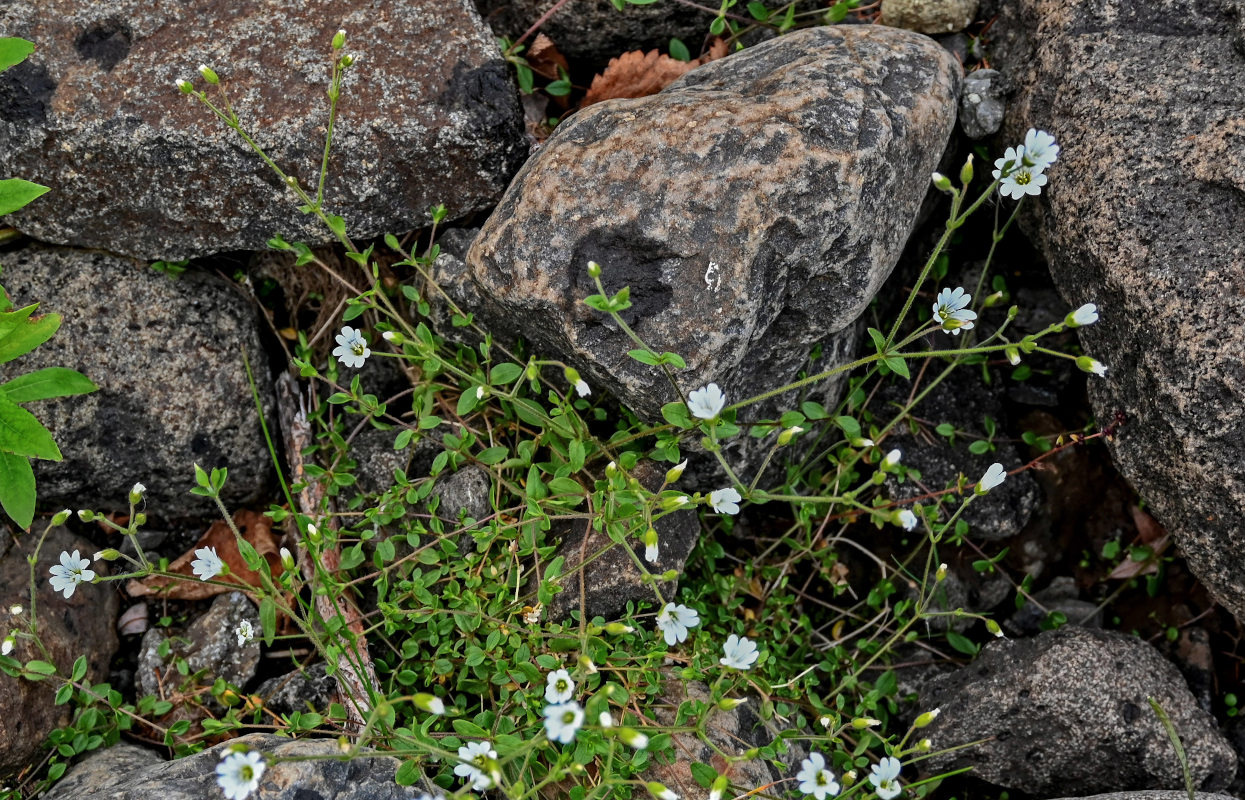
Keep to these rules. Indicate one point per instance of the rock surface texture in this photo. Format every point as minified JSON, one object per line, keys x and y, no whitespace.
{"x":127,"y":772}
{"x":80,"y":625}
{"x":929,"y":16}
{"x":139,"y":169}
{"x":1143,"y":216}
{"x":1065,"y":713}
{"x":753,"y":207}
{"x":209,"y":644}
{"x":167,"y":356}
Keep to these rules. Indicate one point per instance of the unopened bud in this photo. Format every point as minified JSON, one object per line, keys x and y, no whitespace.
{"x":61,"y":516}
{"x":941,"y":182}
{"x":287,"y":559}
{"x":350,"y":59}
{"x":1013,"y":355}
{"x":587,"y":665}
{"x":860,"y":723}
{"x":606,"y":720}
{"x":611,"y":470}
{"x":16,"y":609}
{"x":676,"y":472}
{"x":107,"y":554}
{"x":429,"y":703}
{"x":660,"y":791}
{"x":531,"y":371}
{"x":140,"y":518}
{"x":719,"y":786}
{"x":136,"y":493}
{"x":992,"y":300}
{"x":1087,"y":364}
{"x":925,"y":745}
{"x":849,"y":777}
{"x":7,"y":646}
{"x":650,"y":545}
{"x":674,"y":502}
{"x":941,"y":574}
{"x":633,"y":738}
{"x":208,"y":74}
{"x":618,"y":629}
{"x":185,"y":86}
{"x":860,"y":443}
{"x":786,"y":436}
{"x":926,"y":718}
{"x":339,"y":40}
{"x":730,"y":703}
{"x":594,"y":269}
{"x":966,"y":171}
{"x":313,"y":534}
{"x":86,"y":515}
{"x":393,"y":337}
{"x":994,"y":628}
{"x":891,"y":459}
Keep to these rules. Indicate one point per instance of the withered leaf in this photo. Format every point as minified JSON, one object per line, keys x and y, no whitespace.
{"x":544,"y":59}
{"x":639,"y":74}
{"x":256,"y":530}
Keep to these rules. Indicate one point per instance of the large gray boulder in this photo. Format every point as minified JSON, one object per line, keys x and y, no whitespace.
{"x":1143,"y":216}
{"x":428,"y":115}
{"x":753,"y":207}
{"x":167,"y":356}
{"x":1066,"y":713}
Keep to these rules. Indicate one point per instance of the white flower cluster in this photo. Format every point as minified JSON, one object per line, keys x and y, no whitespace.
{"x":1021,"y":170}
{"x":816,"y":779}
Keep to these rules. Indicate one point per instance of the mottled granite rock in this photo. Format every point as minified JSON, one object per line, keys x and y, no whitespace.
{"x":929,"y":16}
{"x":125,"y":773}
{"x":308,"y":689}
{"x":82,"y":625}
{"x":428,"y":115}
{"x":1143,"y":216}
{"x":753,"y":208}
{"x":167,"y":356}
{"x":209,"y":644}
{"x":983,"y":102}
{"x":1066,"y":713}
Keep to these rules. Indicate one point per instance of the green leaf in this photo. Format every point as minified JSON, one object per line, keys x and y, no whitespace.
{"x":758,"y":11}
{"x":20,"y":332}
{"x":676,"y":414}
{"x":22,"y":434}
{"x":17,"y":489}
{"x":351,"y":557}
{"x":645,"y":357}
{"x":492,"y":455}
{"x":703,"y":774}
{"x":409,"y":773}
{"x":79,"y":669}
{"x":249,"y":554}
{"x":39,"y":668}
{"x":673,"y":359}
{"x":879,"y":339}
{"x":899,"y":366}
{"x":468,"y":728}
{"x":679,"y":51}
{"x":849,"y":425}
{"x":962,"y":643}
{"x":505,"y":374}
{"x":15,"y":193}
{"x":979,"y":447}
{"x":14,"y":51}
{"x":268,"y":619}
{"x":62,"y":697}
{"x":717,"y":26}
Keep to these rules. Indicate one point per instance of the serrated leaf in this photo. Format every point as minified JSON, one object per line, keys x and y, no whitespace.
{"x":17,"y":489}
{"x":47,"y":383}
{"x":22,"y":434}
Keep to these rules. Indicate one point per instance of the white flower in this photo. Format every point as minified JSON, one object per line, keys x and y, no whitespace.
{"x":891,"y":459}
{"x":606,"y":720}
{"x":994,"y":476}
{"x":475,"y":757}
{"x":650,"y":552}
{"x":430,"y":703}
{"x":675,"y":620}
{"x":426,"y":796}
{"x":1021,"y":181}
{"x":98,"y":555}
{"x":907,"y":519}
{"x":633,"y":738}
{"x":707,"y":402}
{"x":208,"y":565}
{"x":1040,"y":150}
{"x":238,"y":774}
{"x":72,"y":571}
{"x":582,"y":388}
{"x":1012,"y":158}
{"x":884,"y":776}
{"x":815,"y":779}
{"x":951,"y":310}
{"x":740,"y":653}
{"x":245,"y":632}
{"x":351,"y":349}
{"x":7,"y":646}
{"x":562,"y":721}
{"x":559,"y":687}
{"x":1085,"y":315}
{"x":16,"y":609}
{"x":725,"y":501}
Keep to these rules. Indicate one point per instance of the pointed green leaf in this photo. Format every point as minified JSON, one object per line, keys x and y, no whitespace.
{"x":644,"y":357}
{"x":28,"y":334}
{"x":268,"y":619}
{"x":14,"y":51}
{"x":879,"y":340}
{"x":15,"y":193}
{"x":47,"y":383}
{"x":17,"y":489}
{"x":899,"y":366}
{"x":22,"y":434}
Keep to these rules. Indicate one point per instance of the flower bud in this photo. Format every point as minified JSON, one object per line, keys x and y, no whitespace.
{"x":572,"y":376}
{"x":1087,"y":364}
{"x":208,"y":74}
{"x":992,"y":300}
{"x":86,"y":515}
{"x":966,"y":171}
{"x":730,"y":703}
{"x":594,"y":269}
{"x":670,"y":575}
{"x":676,"y":472}
{"x":429,"y":703}
{"x":941,"y":182}
{"x":673,"y":502}
{"x":136,"y":493}
{"x":925,"y":745}
{"x":826,"y":722}
{"x":287,"y":559}
{"x":905,"y":519}
{"x":313,"y":534}
{"x":633,"y":738}
{"x":719,"y":786}
{"x":587,"y":665}
{"x":941,"y":574}
{"x":660,"y":791}
{"x":611,"y":470}
{"x":350,"y":59}
{"x":786,"y":436}
{"x":531,"y":371}
{"x":860,"y":723}
{"x":393,"y":337}
{"x":60,"y":517}
{"x":140,"y":519}
{"x":1028,"y":345}
{"x":16,"y":609}
{"x":860,"y":443}
{"x":926,"y":718}
{"x":1085,"y":315}
{"x":650,"y":545}
{"x":1013,"y":354}
{"x":606,"y":720}
{"x":994,"y":628}
{"x":107,"y":554}
{"x":618,"y":629}
{"x":892,"y":458}
{"x":185,"y":86}
{"x":7,"y":646}
{"x":339,"y":40}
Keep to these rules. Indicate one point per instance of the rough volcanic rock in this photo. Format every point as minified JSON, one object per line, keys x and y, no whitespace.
{"x":68,"y":628}
{"x":753,"y":207}
{"x":929,"y":16}
{"x":307,"y":689}
{"x":124,"y":773}
{"x":428,"y":115}
{"x":1065,"y":713}
{"x":595,"y":31}
{"x":167,"y":356}
{"x":1143,"y":216}
{"x":209,"y":644}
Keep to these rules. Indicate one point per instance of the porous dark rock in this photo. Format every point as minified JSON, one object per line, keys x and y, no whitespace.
{"x":929,"y":16}
{"x":83,"y":624}
{"x":124,"y":773}
{"x":983,"y":102}
{"x":1066,"y":713}
{"x":167,"y":355}
{"x":307,"y":689}
{"x":1062,"y":597}
{"x":753,"y":207}
{"x":139,"y":169}
{"x":1142,"y":216}
{"x":209,"y":645}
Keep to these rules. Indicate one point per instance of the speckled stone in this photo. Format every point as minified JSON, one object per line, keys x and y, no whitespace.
{"x":1143,"y":215}
{"x":983,"y":102}
{"x":209,"y":644}
{"x":167,"y":356}
{"x":83,"y":624}
{"x":929,"y":16}
{"x":1066,"y":713}
{"x":1154,"y":794}
{"x":753,"y":207}
{"x":125,"y":773}
{"x":429,"y":115}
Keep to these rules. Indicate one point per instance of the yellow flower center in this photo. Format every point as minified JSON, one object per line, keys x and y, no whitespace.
{"x":357,"y":348}
{"x":1023,"y":177}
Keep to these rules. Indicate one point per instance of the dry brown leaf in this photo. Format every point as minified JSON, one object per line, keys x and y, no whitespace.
{"x":639,"y":74}
{"x":544,"y":59}
{"x":256,"y":529}
{"x":1131,"y":569}
{"x":1149,"y":530}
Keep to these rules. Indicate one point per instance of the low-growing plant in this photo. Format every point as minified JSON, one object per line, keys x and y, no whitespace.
{"x":440,"y":631}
